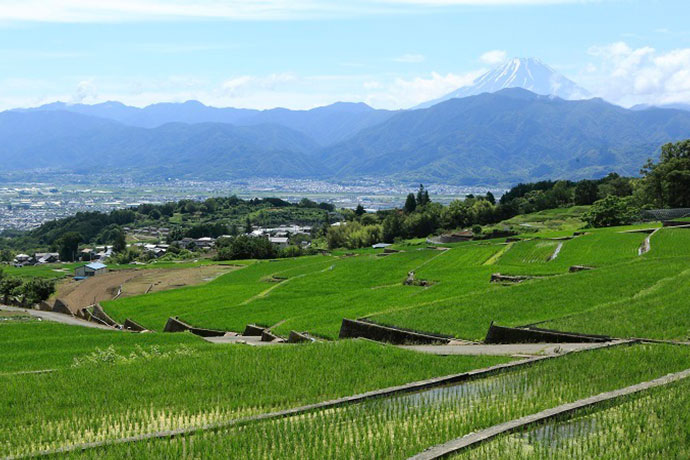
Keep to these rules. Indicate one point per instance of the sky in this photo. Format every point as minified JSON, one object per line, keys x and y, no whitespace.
{"x":305,"y":53}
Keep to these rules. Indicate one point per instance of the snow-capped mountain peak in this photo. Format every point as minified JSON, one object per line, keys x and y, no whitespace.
{"x":527,"y":73}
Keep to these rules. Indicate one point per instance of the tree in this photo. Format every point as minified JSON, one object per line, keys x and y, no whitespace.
{"x":36,"y":290}
{"x":392,"y":227}
{"x":5,"y":256}
{"x":120,"y":242}
{"x":410,"y":203}
{"x":586,"y":192}
{"x":490,"y":197}
{"x":667,"y":183}
{"x":8,"y":287}
{"x":248,"y":225}
{"x":610,"y":212}
{"x":359,"y":211}
{"x":422,"y":196}
{"x":68,"y":244}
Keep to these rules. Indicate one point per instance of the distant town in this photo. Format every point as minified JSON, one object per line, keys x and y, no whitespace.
{"x":24,"y":206}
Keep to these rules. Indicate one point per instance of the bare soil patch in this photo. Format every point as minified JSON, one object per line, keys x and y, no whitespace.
{"x":80,"y":294}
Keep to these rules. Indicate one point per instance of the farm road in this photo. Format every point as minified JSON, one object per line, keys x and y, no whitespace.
{"x":56,"y":317}
{"x":517,"y":349}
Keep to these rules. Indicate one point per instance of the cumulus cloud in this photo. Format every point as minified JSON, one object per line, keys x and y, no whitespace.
{"x":493,"y":57}
{"x":403,"y":92}
{"x":410,"y":58}
{"x":631,"y":76}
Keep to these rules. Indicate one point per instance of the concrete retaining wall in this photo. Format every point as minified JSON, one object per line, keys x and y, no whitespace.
{"x":501,"y":334}
{"x":253,"y":330}
{"x":99,"y":313}
{"x":474,"y":439}
{"x":299,"y":337}
{"x":351,"y":328}
{"x":268,"y":336}
{"x":175,"y":325}
{"x":499,"y":278}
{"x":60,"y":307}
{"x":133,"y":326}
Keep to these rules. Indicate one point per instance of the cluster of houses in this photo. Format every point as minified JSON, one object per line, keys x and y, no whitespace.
{"x":280,"y":236}
{"x":96,"y":254}
{"x":39,"y":258}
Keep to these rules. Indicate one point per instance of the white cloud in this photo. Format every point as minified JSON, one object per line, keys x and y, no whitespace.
{"x":410,"y":58}
{"x":141,"y":10}
{"x":401,"y":93}
{"x":629,"y":76}
{"x":493,"y":57}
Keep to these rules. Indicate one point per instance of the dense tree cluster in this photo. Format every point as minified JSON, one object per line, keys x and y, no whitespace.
{"x":29,"y":292}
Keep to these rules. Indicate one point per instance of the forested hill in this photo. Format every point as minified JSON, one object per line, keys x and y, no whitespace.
{"x":513,"y":135}
{"x":492,"y":139}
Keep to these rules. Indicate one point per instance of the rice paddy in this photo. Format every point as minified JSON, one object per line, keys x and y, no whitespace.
{"x":64,"y":386}
{"x":403,"y":425}
{"x":653,"y":425}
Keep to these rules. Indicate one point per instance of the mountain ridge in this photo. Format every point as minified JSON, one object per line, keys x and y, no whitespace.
{"x":526,"y":73}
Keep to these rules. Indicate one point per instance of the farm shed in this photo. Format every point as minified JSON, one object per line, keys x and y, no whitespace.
{"x":92,"y":269}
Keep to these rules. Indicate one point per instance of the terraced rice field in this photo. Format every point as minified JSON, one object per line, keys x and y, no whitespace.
{"x":652,"y":425}
{"x":113,"y":384}
{"x":403,"y":425}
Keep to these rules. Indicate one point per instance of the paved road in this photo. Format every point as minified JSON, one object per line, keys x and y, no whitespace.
{"x":56,"y":317}
{"x":517,"y":349}
{"x":236,"y":338}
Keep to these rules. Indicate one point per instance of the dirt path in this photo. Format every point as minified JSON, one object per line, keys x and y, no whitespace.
{"x":517,"y":349}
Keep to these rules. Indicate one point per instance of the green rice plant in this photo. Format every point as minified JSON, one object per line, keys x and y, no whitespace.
{"x":661,"y":311}
{"x":534,"y":301}
{"x":651,"y":425}
{"x":116,"y":391}
{"x":535,"y":251}
{"x":403,"y":425}
{"x":670,"y":242}
{"x":36,"y":345}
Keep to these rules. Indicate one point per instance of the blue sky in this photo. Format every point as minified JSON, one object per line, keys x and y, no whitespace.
{"x":305,"y":53}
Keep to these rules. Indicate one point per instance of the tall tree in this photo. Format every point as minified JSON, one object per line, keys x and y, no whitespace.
{"x":359,"y":211}
{"x":422,"y":196}
{"x":68,"y":245}
{"x":490,"y":197}
{"x":410,"y":203}
{"x":120,"y":242}
{"x":248,"y":225}
{"x":586,"y":192}
{"x":667,"y":183}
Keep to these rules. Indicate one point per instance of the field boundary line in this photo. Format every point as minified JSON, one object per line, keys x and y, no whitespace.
{"x":346,"y":400}
{"x":473,"y":439}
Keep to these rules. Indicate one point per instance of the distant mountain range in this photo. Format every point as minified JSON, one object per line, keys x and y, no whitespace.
{"x":519,"y":122}
{"x":325,"y":125}
{"x":526,"y":73}
{"x":505,"y":137}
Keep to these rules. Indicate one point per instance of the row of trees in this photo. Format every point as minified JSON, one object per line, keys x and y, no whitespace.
{"x":246,"y":247}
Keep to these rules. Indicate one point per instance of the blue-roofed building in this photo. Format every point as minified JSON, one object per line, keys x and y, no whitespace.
{"x":92,"y":269}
